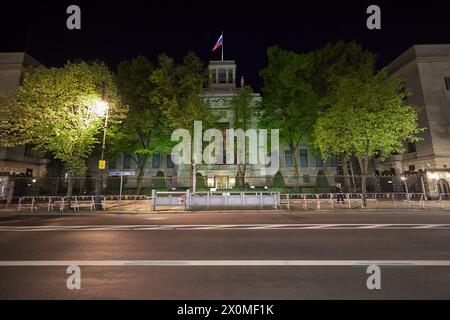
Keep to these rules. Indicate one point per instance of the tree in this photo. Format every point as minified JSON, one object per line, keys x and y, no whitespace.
{"x":145,"y":131}
{"x":177,"y":91}
{"x":289,"y":102}
{"x":242,"y":107}
{"x":54,"y":109}
{"x":333,"y":62}
{"x":369,"y":117}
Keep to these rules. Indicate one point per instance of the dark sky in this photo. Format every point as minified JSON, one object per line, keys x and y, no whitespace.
{"x":113,"y":31}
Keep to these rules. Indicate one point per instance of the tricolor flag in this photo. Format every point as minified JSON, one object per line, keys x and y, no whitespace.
{"x":218,"y":43}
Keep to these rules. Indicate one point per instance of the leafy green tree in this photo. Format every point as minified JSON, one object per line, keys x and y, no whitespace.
{"x":243,"y":110}
{"x":289,"y":102}
{"x":145,"y":131}
{"x":54,"y":109}
{"x":333,"y":62}
{"x":178,"y":92}
{"x":369,"y":117}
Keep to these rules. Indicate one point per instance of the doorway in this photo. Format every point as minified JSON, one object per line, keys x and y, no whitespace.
{"x":221,"y":182}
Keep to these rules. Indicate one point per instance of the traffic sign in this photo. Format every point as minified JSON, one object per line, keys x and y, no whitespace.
{"x":102,"y":164}
{"x":122,"y":173}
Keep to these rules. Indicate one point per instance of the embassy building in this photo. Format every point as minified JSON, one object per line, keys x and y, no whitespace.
{"x":222,"y":87}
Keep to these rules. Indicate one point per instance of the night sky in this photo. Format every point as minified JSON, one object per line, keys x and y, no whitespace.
{"x":116,"y":30}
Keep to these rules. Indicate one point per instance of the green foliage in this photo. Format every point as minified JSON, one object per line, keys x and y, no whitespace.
{"x":159,"y":181}
{"x":177,"y":91}
{"x":54,"y":110}
{"x":200,"y":181}
{"x":321,"y":182}
{"x":289,"y":102}
{"x":145,"y":131}
{"x":278,"y":180}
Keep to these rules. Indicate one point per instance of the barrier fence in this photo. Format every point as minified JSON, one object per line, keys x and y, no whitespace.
{"x":186,"y":201}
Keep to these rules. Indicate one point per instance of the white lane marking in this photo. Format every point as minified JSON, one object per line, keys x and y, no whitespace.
{"x":200,"y":263}
{"x":374,"y":226}
{"x":429,"y":226}
{"x":156,"y":227}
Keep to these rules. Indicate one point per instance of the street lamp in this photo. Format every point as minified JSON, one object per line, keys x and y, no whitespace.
{"x":406,"y":185}
{"x":101,"y":110}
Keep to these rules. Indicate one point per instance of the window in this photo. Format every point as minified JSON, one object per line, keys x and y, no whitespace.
{"x":230,"y":76}
{"x":319,"y":161}
{"x":112,"y":163}
{"x":411,"y":147}
{"x":156,"y":161}
{"x":222,"y":75}
{"x":127,"y":161}
{"x":170,"y":163}
{"x":306,"y":178}
{"x":304,"y":163}
{"x":334,"y":162}
{"x":447,"y":83}
{"x":288,"y":158}
{"x":28,"y":152}
{"x":213,"y":75}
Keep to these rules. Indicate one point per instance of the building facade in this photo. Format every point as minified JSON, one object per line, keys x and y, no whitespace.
{"x":426,"y":71}
{"x":223,"y":85}
{"x":20,"y":160}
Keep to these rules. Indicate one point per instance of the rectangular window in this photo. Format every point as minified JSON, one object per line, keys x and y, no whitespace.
{"x":288,"y":158}
{"x":334,"y":162}
{"x":170,"y":163}
{"x":112,"y":163}
{"x":28,"y":152}
{"x":306,"y":178}
{"x":319,"y":161}
{"x":230,"y":76}
{"x":127,"y":161}
{"x":222,"y":75}
{"x":156,"y":161}
{"x":447,"y":83}
{"x":212,"y":74}
{"x":304,"y":163}
{"x":411,"y":147}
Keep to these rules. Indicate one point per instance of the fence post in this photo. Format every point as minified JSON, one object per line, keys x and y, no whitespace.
{"x":153,"y":200}
{"x":187,"y":202}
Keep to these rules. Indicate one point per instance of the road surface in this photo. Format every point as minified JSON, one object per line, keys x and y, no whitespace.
{"x":226,"y":256}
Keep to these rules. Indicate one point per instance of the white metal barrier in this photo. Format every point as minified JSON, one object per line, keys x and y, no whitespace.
{"x":189,"y":201}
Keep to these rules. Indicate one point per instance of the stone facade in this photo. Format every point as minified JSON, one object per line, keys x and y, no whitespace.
{"x":426,"y":70}
{"x":21,"y":159}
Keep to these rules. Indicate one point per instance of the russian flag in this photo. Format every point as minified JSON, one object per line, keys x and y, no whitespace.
{"x":219,"y":42}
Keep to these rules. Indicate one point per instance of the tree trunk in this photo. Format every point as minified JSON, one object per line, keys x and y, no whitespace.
{"x":241,"y":176}
{"x":363,"y":163}
{"x":294,"y":160}
{"x":345,"y":172}
{"x":141,"y":168}
{"x":69,"y":189}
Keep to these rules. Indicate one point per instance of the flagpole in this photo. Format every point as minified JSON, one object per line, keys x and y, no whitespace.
{"x":222,"y":46}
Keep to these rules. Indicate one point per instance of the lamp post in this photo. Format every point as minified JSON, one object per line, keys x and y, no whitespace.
{"x":406,"y":186}
{"x":101,"y":109}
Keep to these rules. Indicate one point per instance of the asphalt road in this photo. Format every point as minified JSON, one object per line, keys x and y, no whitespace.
{"x":226,"y":256}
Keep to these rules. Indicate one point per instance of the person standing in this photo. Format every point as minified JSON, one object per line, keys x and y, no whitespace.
{"x":339,"y":193}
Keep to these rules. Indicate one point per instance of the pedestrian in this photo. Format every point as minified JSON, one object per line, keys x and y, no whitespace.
{"x":339,"y":193}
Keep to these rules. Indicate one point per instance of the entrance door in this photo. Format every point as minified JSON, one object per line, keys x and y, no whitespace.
{"x":444,"y":188}
{"x":221,"y":182}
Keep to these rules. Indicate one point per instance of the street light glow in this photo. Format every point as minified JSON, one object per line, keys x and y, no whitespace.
{"x":100,"y":108}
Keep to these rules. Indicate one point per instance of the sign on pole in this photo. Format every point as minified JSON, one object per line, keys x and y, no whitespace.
{"x":102,"y":164}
